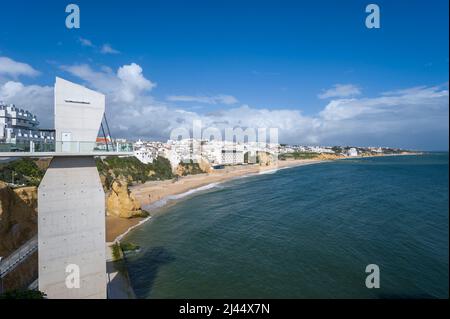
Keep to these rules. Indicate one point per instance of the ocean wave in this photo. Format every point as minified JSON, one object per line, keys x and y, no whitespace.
{"x":270,"y":171}
{"x":119,"y":238}
{"x":163,"y":201}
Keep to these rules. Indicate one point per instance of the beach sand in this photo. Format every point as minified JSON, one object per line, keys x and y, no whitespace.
{"x":153,"y":191}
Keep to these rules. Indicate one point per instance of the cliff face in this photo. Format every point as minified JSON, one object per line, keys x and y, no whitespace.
{"x":192,"y":168}
{"x":329,"y":157}
{"x":18,"y":216}
{"x":265,"y":159}
{"x":120,"y":202}
{"x":205,"y":166}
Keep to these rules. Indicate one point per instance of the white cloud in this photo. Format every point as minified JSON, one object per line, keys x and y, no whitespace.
{"x":126,"y":85}
{"x":215,"y":99}
{"x":35,"y":98}
{"x":85,"y":42}
{"x":9,"y":67}
{"x":340,"y":91}
{"x":413,"y":117}
{"x":108,"y":49}
{"x":133,"y":81}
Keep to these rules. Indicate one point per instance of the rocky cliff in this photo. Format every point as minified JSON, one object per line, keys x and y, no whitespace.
{"x":18,"y":216}
{"x":265,"y":159}
{"x":120,"y":202}
{"x":18,"y":223}
{"x":192,"y":168}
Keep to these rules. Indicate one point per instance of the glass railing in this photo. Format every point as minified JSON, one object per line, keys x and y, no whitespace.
{"x":27,"y":147}
{"x":67,"y":147}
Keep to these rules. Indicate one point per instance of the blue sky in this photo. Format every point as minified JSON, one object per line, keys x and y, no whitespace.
{"x":244,"y":63}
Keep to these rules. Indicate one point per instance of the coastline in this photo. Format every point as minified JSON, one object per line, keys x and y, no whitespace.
{"x":155,"y":195}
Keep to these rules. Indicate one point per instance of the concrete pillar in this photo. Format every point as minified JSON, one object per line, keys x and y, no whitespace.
{"x":71,"y":229}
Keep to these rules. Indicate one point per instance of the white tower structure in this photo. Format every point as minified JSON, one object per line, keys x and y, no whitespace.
{"x":71,"y":200}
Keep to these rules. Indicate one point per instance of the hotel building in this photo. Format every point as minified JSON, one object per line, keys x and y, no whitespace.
{"x":19,"y":130}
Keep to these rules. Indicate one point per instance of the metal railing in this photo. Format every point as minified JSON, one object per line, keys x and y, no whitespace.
{"x":18,"y":256}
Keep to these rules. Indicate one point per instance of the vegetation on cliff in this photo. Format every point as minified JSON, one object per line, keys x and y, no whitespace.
{"x":24,"y":171}
{"x":190,"y":168}
{"x":298,"y":155}
{"x":132,"y":170}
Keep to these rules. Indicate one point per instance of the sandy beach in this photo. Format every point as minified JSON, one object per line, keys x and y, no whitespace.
{"x":153,"y":191}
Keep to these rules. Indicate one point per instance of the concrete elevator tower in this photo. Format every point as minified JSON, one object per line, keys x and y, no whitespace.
{"x":71,"y":200}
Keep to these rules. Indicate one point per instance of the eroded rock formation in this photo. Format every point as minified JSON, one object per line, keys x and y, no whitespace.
{"x":18,"y":216}
{"x":121,"y":202}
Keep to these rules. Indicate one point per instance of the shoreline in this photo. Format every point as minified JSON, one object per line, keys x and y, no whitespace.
{"x":155,"y":195}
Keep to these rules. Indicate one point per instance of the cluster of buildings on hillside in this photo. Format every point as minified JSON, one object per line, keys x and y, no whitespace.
{"x":217,"y":153}
{"x":19,"y":131}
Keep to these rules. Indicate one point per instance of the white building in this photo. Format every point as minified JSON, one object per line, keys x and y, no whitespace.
{"x":352,"y":152}
{"x":172,"y":156}
{"x":232,"y":157}
{"x":186,"y":149}
{"x":20,"y":129}
{"x":144,"y":155}
{"x":146,"y":152}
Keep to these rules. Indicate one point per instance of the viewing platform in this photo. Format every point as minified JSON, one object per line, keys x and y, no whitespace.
{"x":69,"y":148}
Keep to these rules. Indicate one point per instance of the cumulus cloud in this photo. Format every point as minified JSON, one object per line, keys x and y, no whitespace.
{"x":108,"y":49}
{"x":215,"y":99}
{"x":9,"y":67}
{"x":340,"y":91}
{"x":412,"y":117}
{"x":133,"y":81}
{"x":125,"y":85}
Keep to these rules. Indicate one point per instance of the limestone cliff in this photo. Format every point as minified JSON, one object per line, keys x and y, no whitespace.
{"x":328,"y":157}
{"x":205,"y":166}
{"x":265,"y":159}
{"x":18,"y":216}
{"x":120,"y":202}
{"x":192,"y":168}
